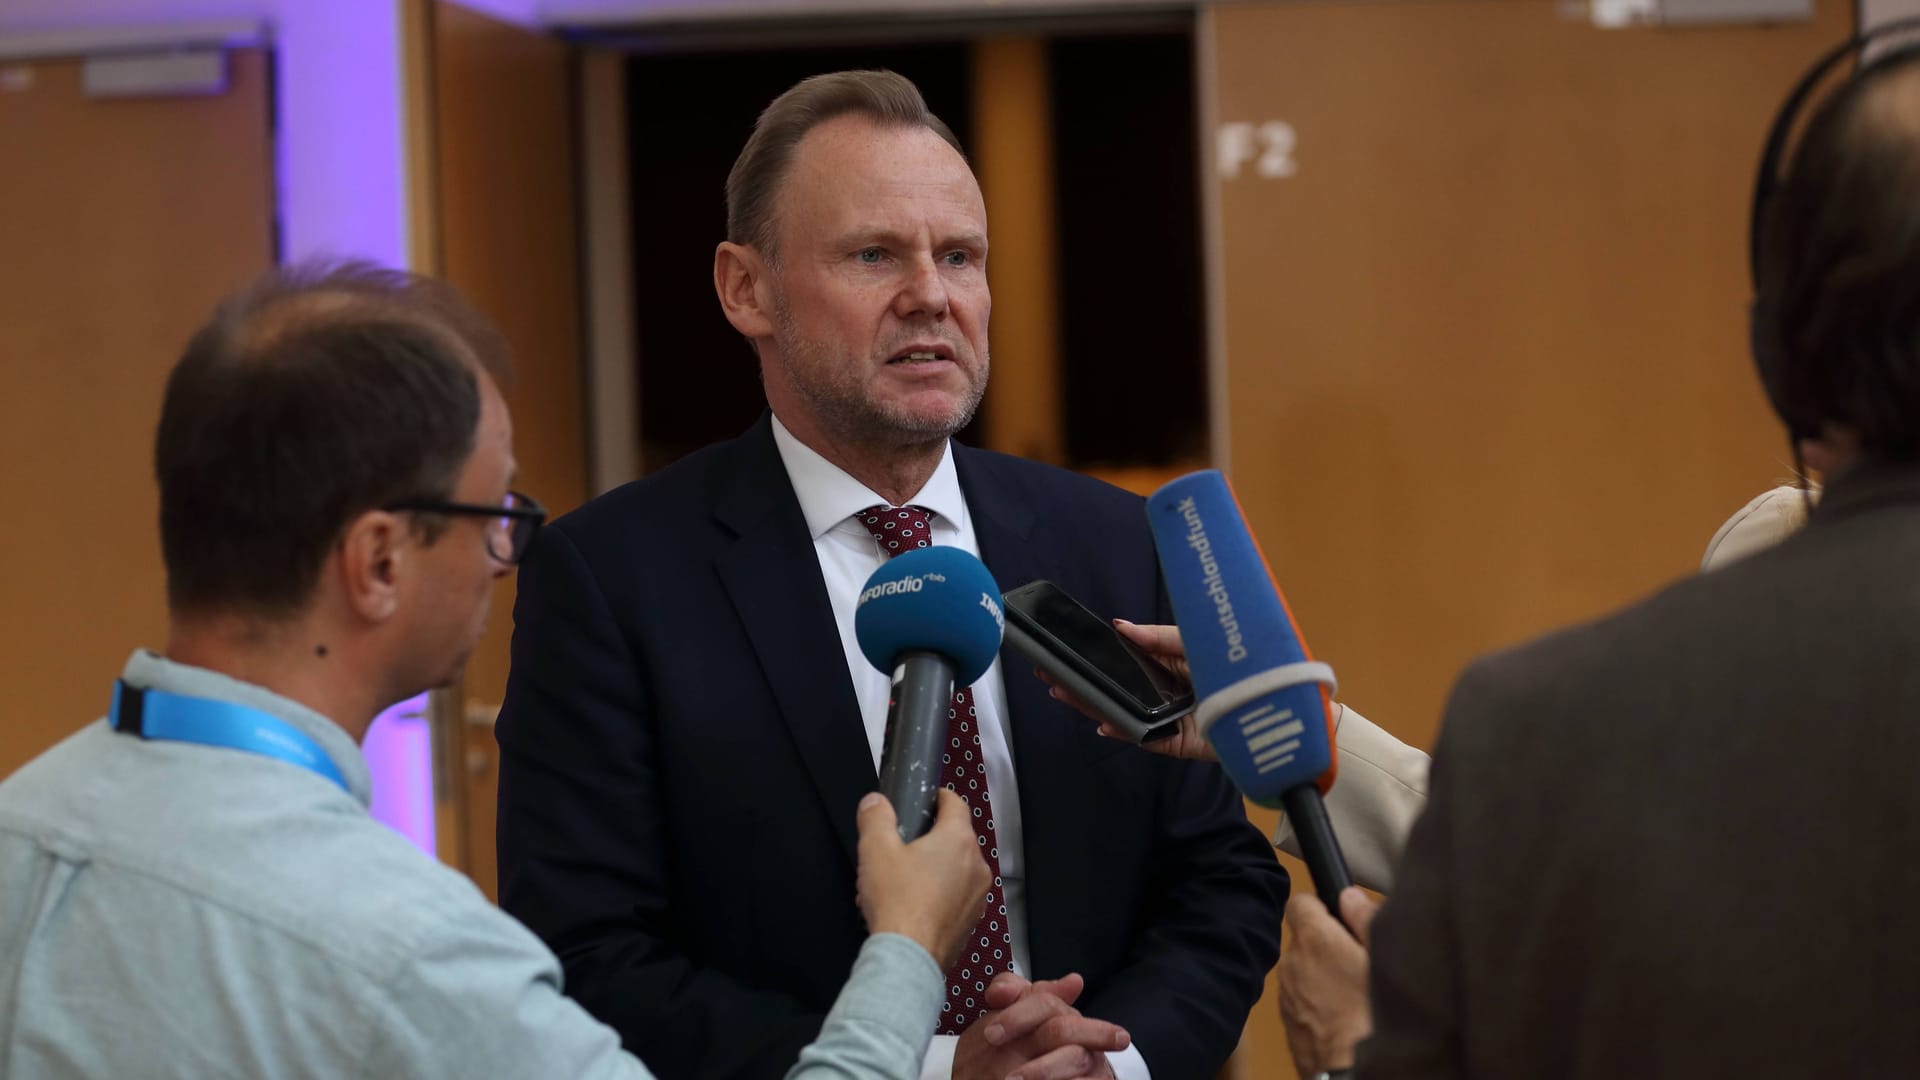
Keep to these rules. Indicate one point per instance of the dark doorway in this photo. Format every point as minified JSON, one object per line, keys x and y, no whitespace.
{"x":689,"y":115}
{"x":1133,"y":329}
{"x":1132,"y":292}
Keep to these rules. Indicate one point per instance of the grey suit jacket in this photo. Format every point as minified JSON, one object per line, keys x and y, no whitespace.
{"x":1684,"y":840}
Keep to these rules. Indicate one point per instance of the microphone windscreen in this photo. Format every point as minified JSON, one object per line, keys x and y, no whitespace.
{"x":1263,"y":704}
{"x":934,"y":599}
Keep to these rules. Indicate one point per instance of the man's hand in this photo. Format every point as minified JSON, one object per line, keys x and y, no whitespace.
{"x":931,"y":890}
{"x":1031,"y":1031}
{"x":1323,"y":981}
{"x":1163,"y":644}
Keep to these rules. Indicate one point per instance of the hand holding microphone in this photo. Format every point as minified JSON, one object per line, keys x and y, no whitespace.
{"x":1322,"y":981}
{"x":930,"y":890}
{"x":1265,"y":704}
{"x":932,"y":619}
{"x":928,"y":617}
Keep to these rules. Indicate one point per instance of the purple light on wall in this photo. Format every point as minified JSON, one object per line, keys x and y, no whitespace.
{"x":340,"y":97}
{"x":341,"y":122}
{"x":342,"y":130}
{"x":399,"y":752}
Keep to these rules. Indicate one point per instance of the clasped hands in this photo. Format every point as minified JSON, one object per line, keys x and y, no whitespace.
{"x":931,"y":891}
{"x":1031,"y":1031}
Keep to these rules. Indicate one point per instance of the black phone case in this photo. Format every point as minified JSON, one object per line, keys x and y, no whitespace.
{"x":1116,"y":710}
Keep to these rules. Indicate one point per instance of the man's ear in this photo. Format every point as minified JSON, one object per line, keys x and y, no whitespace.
{"x":746,"y":293}
{"x":375,"y":550}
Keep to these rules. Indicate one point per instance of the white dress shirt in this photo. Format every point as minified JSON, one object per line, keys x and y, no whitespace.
{"x":848,"y":554}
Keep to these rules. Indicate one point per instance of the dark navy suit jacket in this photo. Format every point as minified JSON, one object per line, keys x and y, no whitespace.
{"x":682,"y":754}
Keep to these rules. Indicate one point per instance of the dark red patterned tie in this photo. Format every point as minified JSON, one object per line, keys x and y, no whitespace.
{"x":990,"y":951}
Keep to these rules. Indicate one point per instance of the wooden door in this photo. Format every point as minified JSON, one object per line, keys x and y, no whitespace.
{"x":503,"y":206}
{"x":122,"y":222}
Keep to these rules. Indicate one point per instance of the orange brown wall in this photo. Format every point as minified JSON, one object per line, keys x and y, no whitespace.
{"x":1483,"y":318}
{"x":122,"y":222}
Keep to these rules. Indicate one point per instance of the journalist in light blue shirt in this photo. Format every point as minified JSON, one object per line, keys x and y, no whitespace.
{"x":176,"y":910}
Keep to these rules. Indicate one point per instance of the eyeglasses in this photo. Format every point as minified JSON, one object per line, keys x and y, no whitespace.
{"x":514,"y":522}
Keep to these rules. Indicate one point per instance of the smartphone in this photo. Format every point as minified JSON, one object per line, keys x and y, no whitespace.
{"x":1084,"y":653}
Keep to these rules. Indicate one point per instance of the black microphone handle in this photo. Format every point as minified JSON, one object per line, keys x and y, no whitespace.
{"x":1319,"y":848}
{"x":917,"y":706}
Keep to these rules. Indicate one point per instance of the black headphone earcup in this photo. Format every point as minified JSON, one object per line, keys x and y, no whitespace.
{"x":1769,"y":356}
{"x":1760,"y":343}
{"x":1764,"y":333}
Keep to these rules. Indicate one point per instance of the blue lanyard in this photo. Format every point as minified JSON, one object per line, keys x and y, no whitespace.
{"x":156,"y":714}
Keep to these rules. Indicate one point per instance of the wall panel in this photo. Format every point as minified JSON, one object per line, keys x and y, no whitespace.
{"x":505,"y":216}
{"x":121,"y":224}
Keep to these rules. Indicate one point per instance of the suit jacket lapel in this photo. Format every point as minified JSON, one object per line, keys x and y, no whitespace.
{"x":773,"y":578}
{"x":1004,"y":524}
{"x":1045,"y":741}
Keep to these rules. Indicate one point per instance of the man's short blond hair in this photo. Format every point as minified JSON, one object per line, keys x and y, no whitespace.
{"x":753,"y":184}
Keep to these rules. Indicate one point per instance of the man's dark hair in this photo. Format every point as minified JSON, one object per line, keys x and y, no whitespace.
{"x":325,"y":390}
{"x":753,"y":184}
{"x":1837,"y":323}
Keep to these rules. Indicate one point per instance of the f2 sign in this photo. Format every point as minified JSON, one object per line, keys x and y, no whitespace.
{"x":1268,"y":147}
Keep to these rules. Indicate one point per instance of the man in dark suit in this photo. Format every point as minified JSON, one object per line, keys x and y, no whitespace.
{"x":689,"y":720}
{"x":1680,"y":841}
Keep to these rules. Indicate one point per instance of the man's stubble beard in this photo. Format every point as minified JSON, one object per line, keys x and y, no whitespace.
{"x":830,"y":383}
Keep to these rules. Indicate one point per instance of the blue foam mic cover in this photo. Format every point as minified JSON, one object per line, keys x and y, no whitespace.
{"x":1264,"y":704}
{"x":934,"y":599}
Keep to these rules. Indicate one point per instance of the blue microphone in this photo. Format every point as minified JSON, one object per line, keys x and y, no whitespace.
{"x":931,"y":619}
{"x":1265,"y":704}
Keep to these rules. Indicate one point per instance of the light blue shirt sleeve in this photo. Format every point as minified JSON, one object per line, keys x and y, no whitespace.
{"x":1127,"y":1064}
{"x":484,"y":999}
{"x":880,"y":1025}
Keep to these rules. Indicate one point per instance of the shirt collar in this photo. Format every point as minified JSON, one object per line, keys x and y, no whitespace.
{"x":828,"y":496}
{"x":1866,"y":484}
{"x":150,"y":671}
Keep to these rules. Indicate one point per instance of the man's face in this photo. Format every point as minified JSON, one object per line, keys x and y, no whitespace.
{"x":880,"y":288}
{"x":457,"y":571}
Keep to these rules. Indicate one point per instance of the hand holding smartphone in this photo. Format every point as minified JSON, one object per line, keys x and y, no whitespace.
{"x":1084,"y":653}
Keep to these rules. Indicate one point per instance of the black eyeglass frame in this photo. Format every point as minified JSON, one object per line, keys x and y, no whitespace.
{"x":525,"y":508}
